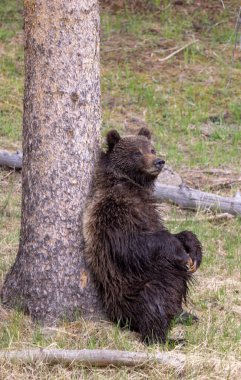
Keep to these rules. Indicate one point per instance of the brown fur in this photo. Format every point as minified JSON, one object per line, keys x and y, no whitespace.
{"x":140,"y":268}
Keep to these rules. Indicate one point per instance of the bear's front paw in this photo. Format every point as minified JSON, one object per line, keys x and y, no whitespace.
{"x":193,"y":248}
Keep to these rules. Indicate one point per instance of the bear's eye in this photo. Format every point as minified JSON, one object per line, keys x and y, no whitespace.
{"x":153,"y":151}
{"x":137,"y":154}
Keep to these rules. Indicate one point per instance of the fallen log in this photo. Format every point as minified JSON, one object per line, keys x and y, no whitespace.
{"x":11,"y":160}
{"x":98,"y":358}
{"x":189,"y":198}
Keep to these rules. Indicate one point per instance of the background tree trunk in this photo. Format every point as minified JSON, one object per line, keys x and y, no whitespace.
{"x":60,"y":138}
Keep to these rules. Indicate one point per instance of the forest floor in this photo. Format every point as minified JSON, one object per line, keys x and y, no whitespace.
{"x":192,"y":103}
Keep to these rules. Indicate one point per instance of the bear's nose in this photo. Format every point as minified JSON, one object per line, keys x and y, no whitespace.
{"x":158,"y":163}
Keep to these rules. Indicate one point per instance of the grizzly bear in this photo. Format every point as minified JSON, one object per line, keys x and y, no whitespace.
{"x":142,"y":270}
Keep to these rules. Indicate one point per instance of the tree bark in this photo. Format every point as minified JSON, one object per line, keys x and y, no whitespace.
{"x":61,"y":125}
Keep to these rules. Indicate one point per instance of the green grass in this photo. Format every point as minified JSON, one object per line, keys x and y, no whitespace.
{"x":11,"y":70}
{"x":186,"y":90}
{"x":191,"y":102}
{"x":10,"y":18}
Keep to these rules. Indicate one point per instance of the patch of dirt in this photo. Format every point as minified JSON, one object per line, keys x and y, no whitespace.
{"x":146,"y":5}
{"x":133,"y":5}
{"x":213,"y":180}
{"x":218,"y":282}
{"x":237,"y":310}
{"x":142,"y":55}
{"x":133,"y":122}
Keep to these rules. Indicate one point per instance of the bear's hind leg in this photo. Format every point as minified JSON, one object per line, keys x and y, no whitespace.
{"x":152,"y":329}
{"x":150,"y":317}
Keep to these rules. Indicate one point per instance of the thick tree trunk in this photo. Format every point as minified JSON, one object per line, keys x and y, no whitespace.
{"x":60,"y":139}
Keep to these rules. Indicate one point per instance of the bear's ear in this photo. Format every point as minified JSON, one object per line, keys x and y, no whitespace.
{"x":112,"y":138}
{"x":145,"y":132}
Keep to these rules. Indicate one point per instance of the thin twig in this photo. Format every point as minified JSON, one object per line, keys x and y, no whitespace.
{"x":7,"y":175}
{"x":223,"y":4}
{"x":217,"y":23}
{"x":177,"y":51}
{"x":163,"y":9}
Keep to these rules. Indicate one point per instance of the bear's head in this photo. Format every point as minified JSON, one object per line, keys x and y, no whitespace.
{"x":134,"y":156}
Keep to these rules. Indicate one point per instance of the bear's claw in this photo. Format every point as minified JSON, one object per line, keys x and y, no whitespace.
{"x":191,"y":265}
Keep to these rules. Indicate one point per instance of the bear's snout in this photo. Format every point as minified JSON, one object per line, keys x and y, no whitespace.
{"x":158,"y":163}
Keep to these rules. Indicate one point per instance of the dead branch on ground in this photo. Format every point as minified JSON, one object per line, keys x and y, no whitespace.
{"x":189,"y":198}
{"x":11,"y":160}
{"x":97,"y":358}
